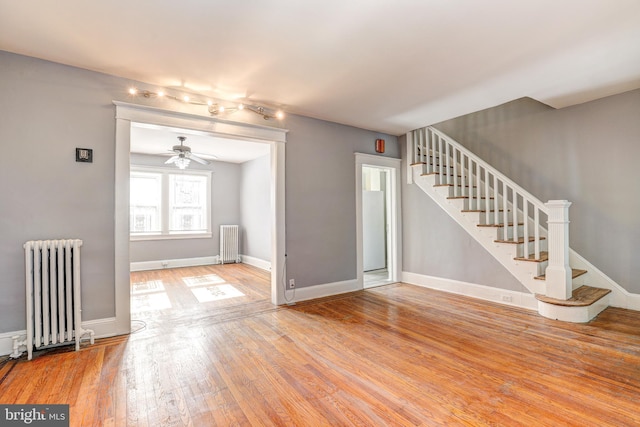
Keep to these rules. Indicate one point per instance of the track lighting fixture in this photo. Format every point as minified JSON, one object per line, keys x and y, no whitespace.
{"x":213,"y":107}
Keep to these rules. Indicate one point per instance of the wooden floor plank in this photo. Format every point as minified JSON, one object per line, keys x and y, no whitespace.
{"x":394,"y":355}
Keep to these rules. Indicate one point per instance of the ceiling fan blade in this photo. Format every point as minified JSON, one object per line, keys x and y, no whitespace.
{"x":197,"y":159}
{"x":171,"y":160}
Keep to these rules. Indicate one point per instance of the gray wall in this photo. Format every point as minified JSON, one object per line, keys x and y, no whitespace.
{"x":587,"y":154}
{"x":255,"y":208}
{"x":47,"y":110}
{"x":320,"y":198}
{"x":225,"y":209}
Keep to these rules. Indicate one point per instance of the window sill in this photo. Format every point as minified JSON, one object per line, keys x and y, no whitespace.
{"x":146,"y":237}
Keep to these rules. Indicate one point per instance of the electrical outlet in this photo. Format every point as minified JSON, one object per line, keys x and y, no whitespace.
{"x":164,"y":264}
{"x":507,"y":298}
{"x":292,"y":283}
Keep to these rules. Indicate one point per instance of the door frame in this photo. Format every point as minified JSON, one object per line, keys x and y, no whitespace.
{"x":394,"y":232}
{"x":126,"y":113}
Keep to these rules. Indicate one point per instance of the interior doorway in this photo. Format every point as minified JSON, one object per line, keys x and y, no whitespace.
{"x":379,"y":223}
{"x":375,"y":226}
{"x":177,"y":212}
{"x":126,"y":114}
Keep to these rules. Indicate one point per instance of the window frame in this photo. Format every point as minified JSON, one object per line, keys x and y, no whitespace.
{"x":165,"y":206}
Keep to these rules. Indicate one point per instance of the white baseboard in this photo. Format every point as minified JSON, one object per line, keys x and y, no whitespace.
{"x":256,"y":262}
{"x":173,"y":263}
{"x":324,"y":290}
{"x":102,"y":328}
{"x":488,"y":293}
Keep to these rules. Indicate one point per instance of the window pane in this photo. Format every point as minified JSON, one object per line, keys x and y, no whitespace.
{"x":144,"y":203}
{"x":187,"y":202}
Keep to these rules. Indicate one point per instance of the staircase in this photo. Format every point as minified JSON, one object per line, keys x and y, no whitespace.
{"x":508,"y":222}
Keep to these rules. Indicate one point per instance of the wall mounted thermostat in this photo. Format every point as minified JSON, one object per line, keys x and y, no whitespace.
{"x":84,"y":155}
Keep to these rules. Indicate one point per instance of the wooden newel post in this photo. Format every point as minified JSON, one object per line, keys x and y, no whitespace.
{"x":558,"y":273}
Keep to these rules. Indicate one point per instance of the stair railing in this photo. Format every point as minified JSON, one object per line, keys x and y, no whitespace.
{"x":500,"y":201}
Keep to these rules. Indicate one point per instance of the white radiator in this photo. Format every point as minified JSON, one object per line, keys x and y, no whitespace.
{"x":53,"y":294}
{"x":229,"y":244}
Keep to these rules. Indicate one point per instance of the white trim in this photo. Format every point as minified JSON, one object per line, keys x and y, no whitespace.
{"x":487,"y":293}
{"x":278,"y":225}
{"x":125,"y":114}
{"x":173,"y":263}
{"x":256,"y":262}
{"x":394,"y":166}
{"x":409,"y":158}
{"x":152,"y":237}
{"x":324,"y":290}
{"x":103,"y":328}
{"x":122,"y":272}
{"x":573,"y":314}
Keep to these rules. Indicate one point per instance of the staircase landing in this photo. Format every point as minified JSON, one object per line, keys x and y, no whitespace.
{"x":581,"y":297}
{"x":585,"y":304}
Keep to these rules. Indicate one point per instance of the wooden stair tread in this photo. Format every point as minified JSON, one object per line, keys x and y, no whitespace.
{"x":581,"y":297}
{"x":520,"y":240}
{"x":418,"y":163}
{"x":544,"y":256}
{"x":510,"y":224}
{"x":574,"y":273}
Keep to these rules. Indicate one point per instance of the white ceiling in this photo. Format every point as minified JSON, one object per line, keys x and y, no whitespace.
{"x":158,"y":140}
{"x":387,"y":65}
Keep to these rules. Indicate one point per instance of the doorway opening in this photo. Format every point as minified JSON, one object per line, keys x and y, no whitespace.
{"x":126,"y":114}
{"x":178,"y":214}
{"x":379,"y":224}
{"x":375,"y":225}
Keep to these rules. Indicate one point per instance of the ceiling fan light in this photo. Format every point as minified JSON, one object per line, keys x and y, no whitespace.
{"x":182,"y":162}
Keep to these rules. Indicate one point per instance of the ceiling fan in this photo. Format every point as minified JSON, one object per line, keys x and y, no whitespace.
{"x":183,"y":155}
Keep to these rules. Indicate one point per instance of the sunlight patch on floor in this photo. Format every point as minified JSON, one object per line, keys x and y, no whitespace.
{"x":207,"y":279}
{"x":216,"y":293}
{"x":146,"y":287}
{"x":151,"y":301}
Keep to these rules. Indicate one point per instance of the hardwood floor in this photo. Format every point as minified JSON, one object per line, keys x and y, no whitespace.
{"x":396,"y":355}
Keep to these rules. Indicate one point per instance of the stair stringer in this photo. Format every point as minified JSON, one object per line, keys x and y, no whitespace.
{"x":523,"y":271}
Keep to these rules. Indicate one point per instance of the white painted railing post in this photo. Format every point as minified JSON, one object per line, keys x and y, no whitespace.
{"x":410,"y":157}
{"x":558,"y":273}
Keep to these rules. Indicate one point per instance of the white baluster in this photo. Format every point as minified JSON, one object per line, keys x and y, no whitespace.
{"x":514,"y":215}
{"x":505,"y":213}
{"x":463,"y":181}
{"x":487,"y":204}
{"x":448,"y":164}
{"x":525,"y":217}
{"x":496,"y":203}
{"x":423,"y":136}
{"x":536,"y":230}
{"x":456,"y":182}
{"x":558,"y":273}
{"x":427,"y":148}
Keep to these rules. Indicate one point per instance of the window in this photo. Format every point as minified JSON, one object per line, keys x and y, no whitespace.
{"x":167,"y":204}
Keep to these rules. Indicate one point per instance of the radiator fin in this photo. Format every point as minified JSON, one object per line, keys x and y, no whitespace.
{"x":229,"y":244}
{"x":53,"y":287}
